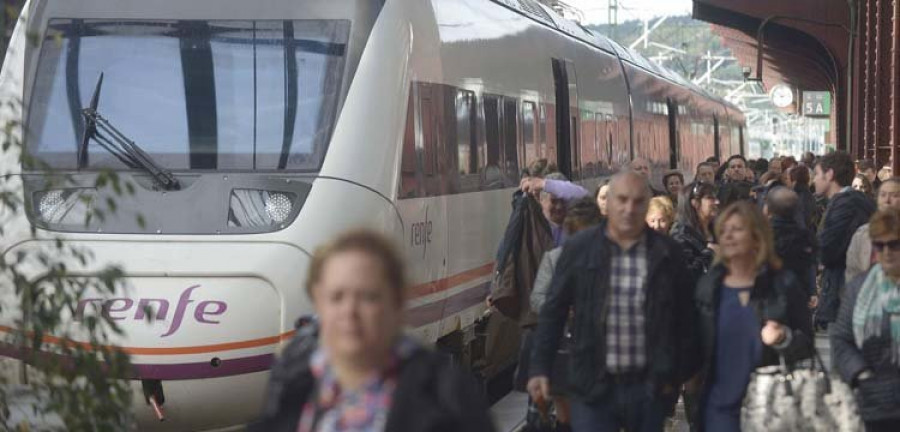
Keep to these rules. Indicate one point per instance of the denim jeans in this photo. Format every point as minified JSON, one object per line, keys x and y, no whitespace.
{"x":633,"y":407}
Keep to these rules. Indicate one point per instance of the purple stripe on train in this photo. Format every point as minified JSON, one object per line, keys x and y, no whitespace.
{"x":214,"y":368}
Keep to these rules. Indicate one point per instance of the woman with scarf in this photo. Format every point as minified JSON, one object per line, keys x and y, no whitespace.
{"x":865,"y":341}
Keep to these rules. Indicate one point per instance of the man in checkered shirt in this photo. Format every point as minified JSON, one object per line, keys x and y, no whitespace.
{"x":625,"y":342}
{"x":633,"y":324}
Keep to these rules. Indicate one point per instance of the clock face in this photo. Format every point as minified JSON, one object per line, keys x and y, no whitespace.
{"x":782,"y":96}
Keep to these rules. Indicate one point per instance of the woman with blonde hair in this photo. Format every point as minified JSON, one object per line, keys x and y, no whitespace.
{"x":661,"y":214}
{"x":750,"y":311}
{"x":360,"y":372}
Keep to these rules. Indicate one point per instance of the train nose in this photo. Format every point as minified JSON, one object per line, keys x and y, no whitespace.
{"x":202,"y":320}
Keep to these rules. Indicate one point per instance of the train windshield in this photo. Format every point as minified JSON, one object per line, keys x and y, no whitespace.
{"x":195,"y":95}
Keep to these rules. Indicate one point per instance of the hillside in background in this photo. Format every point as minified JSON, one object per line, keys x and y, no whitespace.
{"x":695,"y":38}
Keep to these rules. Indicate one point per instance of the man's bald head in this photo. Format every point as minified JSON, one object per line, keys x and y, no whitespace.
{"x":630,"y":180}
{"x":641,"y":166}
{"x":782,"y":202}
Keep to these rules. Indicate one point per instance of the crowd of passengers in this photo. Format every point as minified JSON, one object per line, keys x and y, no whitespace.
{"x":629,"y":298}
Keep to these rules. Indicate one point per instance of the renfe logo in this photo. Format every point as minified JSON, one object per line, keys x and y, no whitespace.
{"x":121,"y":309}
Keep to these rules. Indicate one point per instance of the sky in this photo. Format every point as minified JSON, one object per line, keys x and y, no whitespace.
{"x":596,"y":11}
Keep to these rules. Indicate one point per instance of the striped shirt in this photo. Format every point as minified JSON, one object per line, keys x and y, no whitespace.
{"x":626,"y":345}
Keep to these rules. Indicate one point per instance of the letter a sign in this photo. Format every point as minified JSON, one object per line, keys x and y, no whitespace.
{"x":817,"y":104}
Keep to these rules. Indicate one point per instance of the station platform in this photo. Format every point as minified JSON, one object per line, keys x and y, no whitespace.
{"x":509,"y":412}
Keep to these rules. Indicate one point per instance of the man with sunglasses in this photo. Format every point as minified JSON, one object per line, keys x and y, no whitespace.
{"x":860,"y":254}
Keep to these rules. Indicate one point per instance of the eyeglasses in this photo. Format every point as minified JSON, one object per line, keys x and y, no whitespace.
{"x":893,"y":245}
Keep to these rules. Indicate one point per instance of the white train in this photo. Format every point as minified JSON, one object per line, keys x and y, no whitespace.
{"x":269,"y":126}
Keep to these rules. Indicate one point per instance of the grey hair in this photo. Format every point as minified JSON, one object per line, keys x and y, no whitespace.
{"x":556,"y":176}
{"x":628,"y":173}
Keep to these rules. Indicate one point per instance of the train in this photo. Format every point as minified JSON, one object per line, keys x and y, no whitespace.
{"x":254,"y":132}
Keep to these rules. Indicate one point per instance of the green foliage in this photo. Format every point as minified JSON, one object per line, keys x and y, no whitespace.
{"x":694,"y":37}
{"x":67,"y":385}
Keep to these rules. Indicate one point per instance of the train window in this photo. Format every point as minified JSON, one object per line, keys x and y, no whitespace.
{"x":467,"y":142}
{"x":428,"y":133}
{"x":493,"y":175}
{"x":548,"y":133}
{"x":436,"y":160}
{"x":530,"y":132}
{"x":244,"y":95}
{"x":511,"y":141}
{"x":588,"y":144}
{"x":467,"y":150}
{"x":408,"y":182}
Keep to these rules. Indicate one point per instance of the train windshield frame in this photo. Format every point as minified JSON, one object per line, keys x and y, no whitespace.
{"x":241,"y":95}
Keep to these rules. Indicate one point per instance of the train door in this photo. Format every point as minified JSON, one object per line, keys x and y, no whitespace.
{"x":567,"y":116}
{"x":674,"y":155}
{"x":717,"y":151}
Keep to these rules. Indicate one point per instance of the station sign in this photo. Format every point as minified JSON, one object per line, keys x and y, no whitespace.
{"x":817,"y":104}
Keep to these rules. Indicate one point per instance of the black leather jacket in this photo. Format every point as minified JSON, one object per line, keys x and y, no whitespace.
{"x":581,"y":280}
{"x":431,"y":395}
{"x":697,"y":255}
{"x":776,"y":295}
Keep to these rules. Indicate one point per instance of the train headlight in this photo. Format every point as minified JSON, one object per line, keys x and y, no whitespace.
{"x":260,"y":208}
{"x":64,"y":206}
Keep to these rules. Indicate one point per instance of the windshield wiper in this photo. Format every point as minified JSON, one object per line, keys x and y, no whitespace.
{"x":116,"y":143}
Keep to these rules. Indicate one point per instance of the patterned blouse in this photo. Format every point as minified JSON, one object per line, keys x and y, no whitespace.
{"x":332,"y":409}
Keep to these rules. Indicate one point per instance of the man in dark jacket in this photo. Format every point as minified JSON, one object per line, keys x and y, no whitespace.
{"x":847,"y":210}
{"x":735,"y":186}
{"x":794,"y":244}
{"x":632,"y":298}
